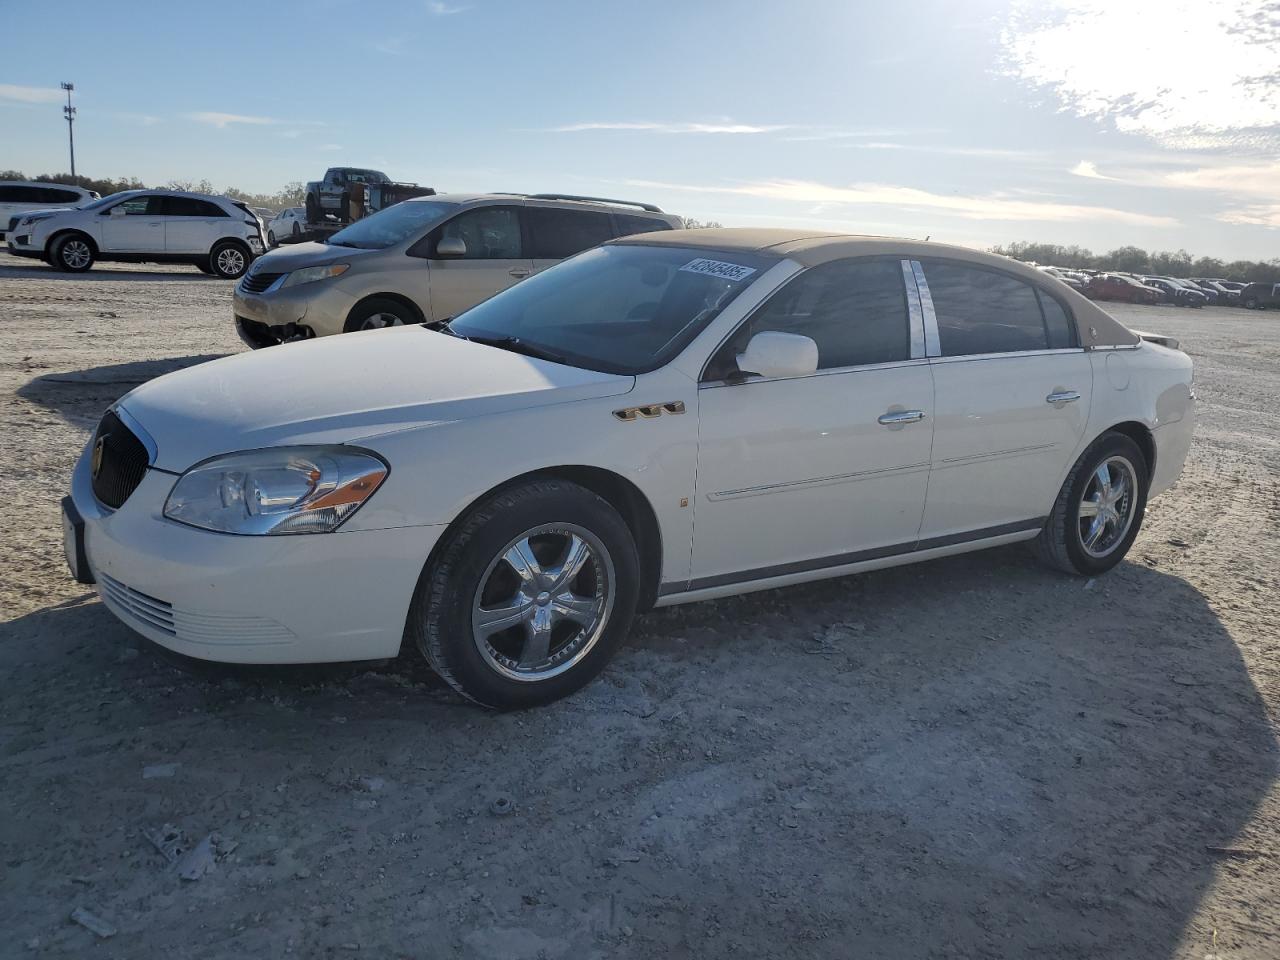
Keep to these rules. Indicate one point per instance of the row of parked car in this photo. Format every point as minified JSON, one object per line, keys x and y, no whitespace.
{"x":1193,"y":292}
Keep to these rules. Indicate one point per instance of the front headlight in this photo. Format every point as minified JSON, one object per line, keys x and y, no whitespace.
{"x":312,"y":274}
{"x":33,"y":217}
{"x":279,"y":490}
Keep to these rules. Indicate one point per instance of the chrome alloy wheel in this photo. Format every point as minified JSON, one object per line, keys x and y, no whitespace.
{"x":1107,"y":506}
{"x":379,"y":320}
{"x":75,"y":254}
{"x":230,"y":261}
{"x":543,"y":602}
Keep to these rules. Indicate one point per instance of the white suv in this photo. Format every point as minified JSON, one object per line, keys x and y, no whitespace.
{"x":219,"y":235}
{"x":25,"y":196}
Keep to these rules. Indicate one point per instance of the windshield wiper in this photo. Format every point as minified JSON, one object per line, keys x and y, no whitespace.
{"x":516,"y":345}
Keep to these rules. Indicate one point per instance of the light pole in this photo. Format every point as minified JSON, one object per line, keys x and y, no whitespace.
{"x":70,"y":112}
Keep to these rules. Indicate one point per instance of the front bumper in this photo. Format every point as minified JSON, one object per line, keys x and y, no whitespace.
{"x":310,"y":598}
{"x":305,"y":310}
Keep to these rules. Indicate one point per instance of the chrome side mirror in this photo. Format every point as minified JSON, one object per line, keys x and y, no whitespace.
{"x":450,"y":248}
{"x":776,"y":354}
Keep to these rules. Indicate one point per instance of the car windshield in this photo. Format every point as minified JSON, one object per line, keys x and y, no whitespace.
{"x":388,"y":227}
{"x":109,"y":199}
{"x":620,"y":308}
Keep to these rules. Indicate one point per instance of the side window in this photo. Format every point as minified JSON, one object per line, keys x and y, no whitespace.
{"x":9,"y":194}
{"x":64,"y":196}
{"x":143,"y":206}
{"x":628,"y":224}
{"x":1057,"y":322}
{"x":982,"y":311}
{"x":855,"y":310}
{"x":557,"y":234}
{"x":490,"y":233}
{"x":191,"y":207}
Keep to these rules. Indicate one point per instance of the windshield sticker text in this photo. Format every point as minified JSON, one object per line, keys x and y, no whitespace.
{"x":718,"y":268}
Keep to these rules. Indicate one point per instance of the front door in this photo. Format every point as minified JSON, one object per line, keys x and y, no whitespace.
{"x":1012,"y":392}
{"x":494,"y":259}
{"x":140,"y":229}
{"x":803,"y":473}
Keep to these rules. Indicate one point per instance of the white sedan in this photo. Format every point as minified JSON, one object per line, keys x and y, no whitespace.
{"x":664,"y":418}
{"x":290,"y":222}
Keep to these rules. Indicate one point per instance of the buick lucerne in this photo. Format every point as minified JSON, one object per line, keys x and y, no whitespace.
{"x":664,"y":418}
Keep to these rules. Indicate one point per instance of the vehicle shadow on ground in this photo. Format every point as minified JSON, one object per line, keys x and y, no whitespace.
{"x":80,"y":394}
{"x":100,"y":273}
{"x":969,"y":757}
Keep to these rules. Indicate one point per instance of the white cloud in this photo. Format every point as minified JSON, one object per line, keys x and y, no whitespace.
{"x":142,"y":119}
{"x":1089,"y":169}
{"x":950,"y":151}
{"x":222,"y":120}
{"x":291,"y":134}
{"x":329,"y":147}
{"x":443,"y":9}
{"x":1257,"y":215}
{"x":20,"y":94}
{"x":978,"y":207}
{"x":723,"y":127}
{"x":1190,"y":74}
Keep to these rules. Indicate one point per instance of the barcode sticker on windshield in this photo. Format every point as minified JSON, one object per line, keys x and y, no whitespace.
{"x":718,"y":268}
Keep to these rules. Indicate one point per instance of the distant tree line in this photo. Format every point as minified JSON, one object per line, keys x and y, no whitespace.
{"x":290,"y":196}
{"x":1136,"y":260}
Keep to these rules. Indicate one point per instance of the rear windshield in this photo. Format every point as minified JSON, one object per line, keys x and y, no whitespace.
{"x":619,"y":308}
{"x":388,"y":227}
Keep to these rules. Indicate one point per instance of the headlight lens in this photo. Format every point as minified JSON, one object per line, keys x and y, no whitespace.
{"x":312,"y":274}
{"x":279,"y":490}
{"x":33,"y":217}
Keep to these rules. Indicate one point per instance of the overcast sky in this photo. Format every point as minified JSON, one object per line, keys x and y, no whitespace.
{"x":1099,"y":122}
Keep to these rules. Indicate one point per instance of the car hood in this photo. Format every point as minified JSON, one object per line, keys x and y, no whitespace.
{"x":344,"y":389}
{"x":310,"y":254}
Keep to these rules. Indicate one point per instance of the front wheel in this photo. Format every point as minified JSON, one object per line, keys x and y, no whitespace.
{"x":228,"y":260}
{"x":271,"y":238}
{"x":73,"y":254}
{"x":529,"y":597}
{"x":1099,"y":510}
{"x":377,"y":313}
{"x":297,"y":230}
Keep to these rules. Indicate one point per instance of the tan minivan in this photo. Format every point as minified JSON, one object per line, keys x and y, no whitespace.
{"x":425,"y":259}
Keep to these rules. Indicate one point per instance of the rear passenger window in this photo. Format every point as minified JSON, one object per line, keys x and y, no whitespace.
{"x":9,"y":195}
{"x":855,"y":310}
{"x":981,"y":311}
{"x":558,"y":234}
{"x":191,"y":207}
{"x":490,"y":233}
{"x":1057,"y":323}
{"x":628,"y":224}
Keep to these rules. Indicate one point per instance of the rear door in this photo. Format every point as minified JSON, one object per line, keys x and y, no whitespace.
{"x":192,"y":225}
{"x":1012,"y":389}
{"x":139,"y":230}
{"x":495,"y":258}
{"x":556,"y":233}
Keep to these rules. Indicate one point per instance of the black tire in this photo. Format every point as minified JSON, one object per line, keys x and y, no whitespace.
{"x":73,"y":253}
{"x":1251,"y":303}
{"x":1061,"y":544}
{"x":224,"y":262}
{"x":378,"y":312}
{"x":297,"y":230}
{"x":440,"y":618}
{"x":271,"y":238}
{"x":313,"y":209}
{"x":204,"y":267}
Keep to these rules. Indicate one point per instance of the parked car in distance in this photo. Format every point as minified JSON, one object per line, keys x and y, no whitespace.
{"x":1260,"y":296}
{"x":1210,"y":295}
{"x":1176,"y":293}
{"x":1111,"y":286}
{"x":218,"y":235}
{"x":1226,"y":295}
{"x":424,"y":259}
{"x":332,"y":196}
{"x":32,"y":196}
{"x":507,"y":490}
{"x":289,"y":222}
{"x":1072,"y":279}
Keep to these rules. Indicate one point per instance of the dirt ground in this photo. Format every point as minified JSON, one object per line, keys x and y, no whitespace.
{"x":973,"y":757}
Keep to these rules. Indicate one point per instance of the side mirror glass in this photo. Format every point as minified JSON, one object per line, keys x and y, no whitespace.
{"x":776,"y":354}
{"x":450,"y":248}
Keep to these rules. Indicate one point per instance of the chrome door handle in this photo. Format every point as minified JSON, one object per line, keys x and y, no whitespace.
{"x":155,"y":223}
{"x":900,"y":416}
{"x":520,"y":273}
{"x":1062,"y":396}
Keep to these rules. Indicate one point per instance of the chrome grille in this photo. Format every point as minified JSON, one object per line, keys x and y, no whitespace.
{"x":120,"y":461}
{"x":151,"y":612}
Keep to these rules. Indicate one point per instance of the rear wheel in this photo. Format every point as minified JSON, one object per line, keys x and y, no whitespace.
{"x":529,"y":597}
{"x":271,"y":237}
{"x":1099,"y":510}
{"x":297,"y":230}
{"x":73,"y":253}
{"x":380,"y":312}
{"x":313,"y":210}
{"x":228,"y":260}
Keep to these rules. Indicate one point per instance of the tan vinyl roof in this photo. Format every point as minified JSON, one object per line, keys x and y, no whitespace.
{"x":1096,"y":327}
